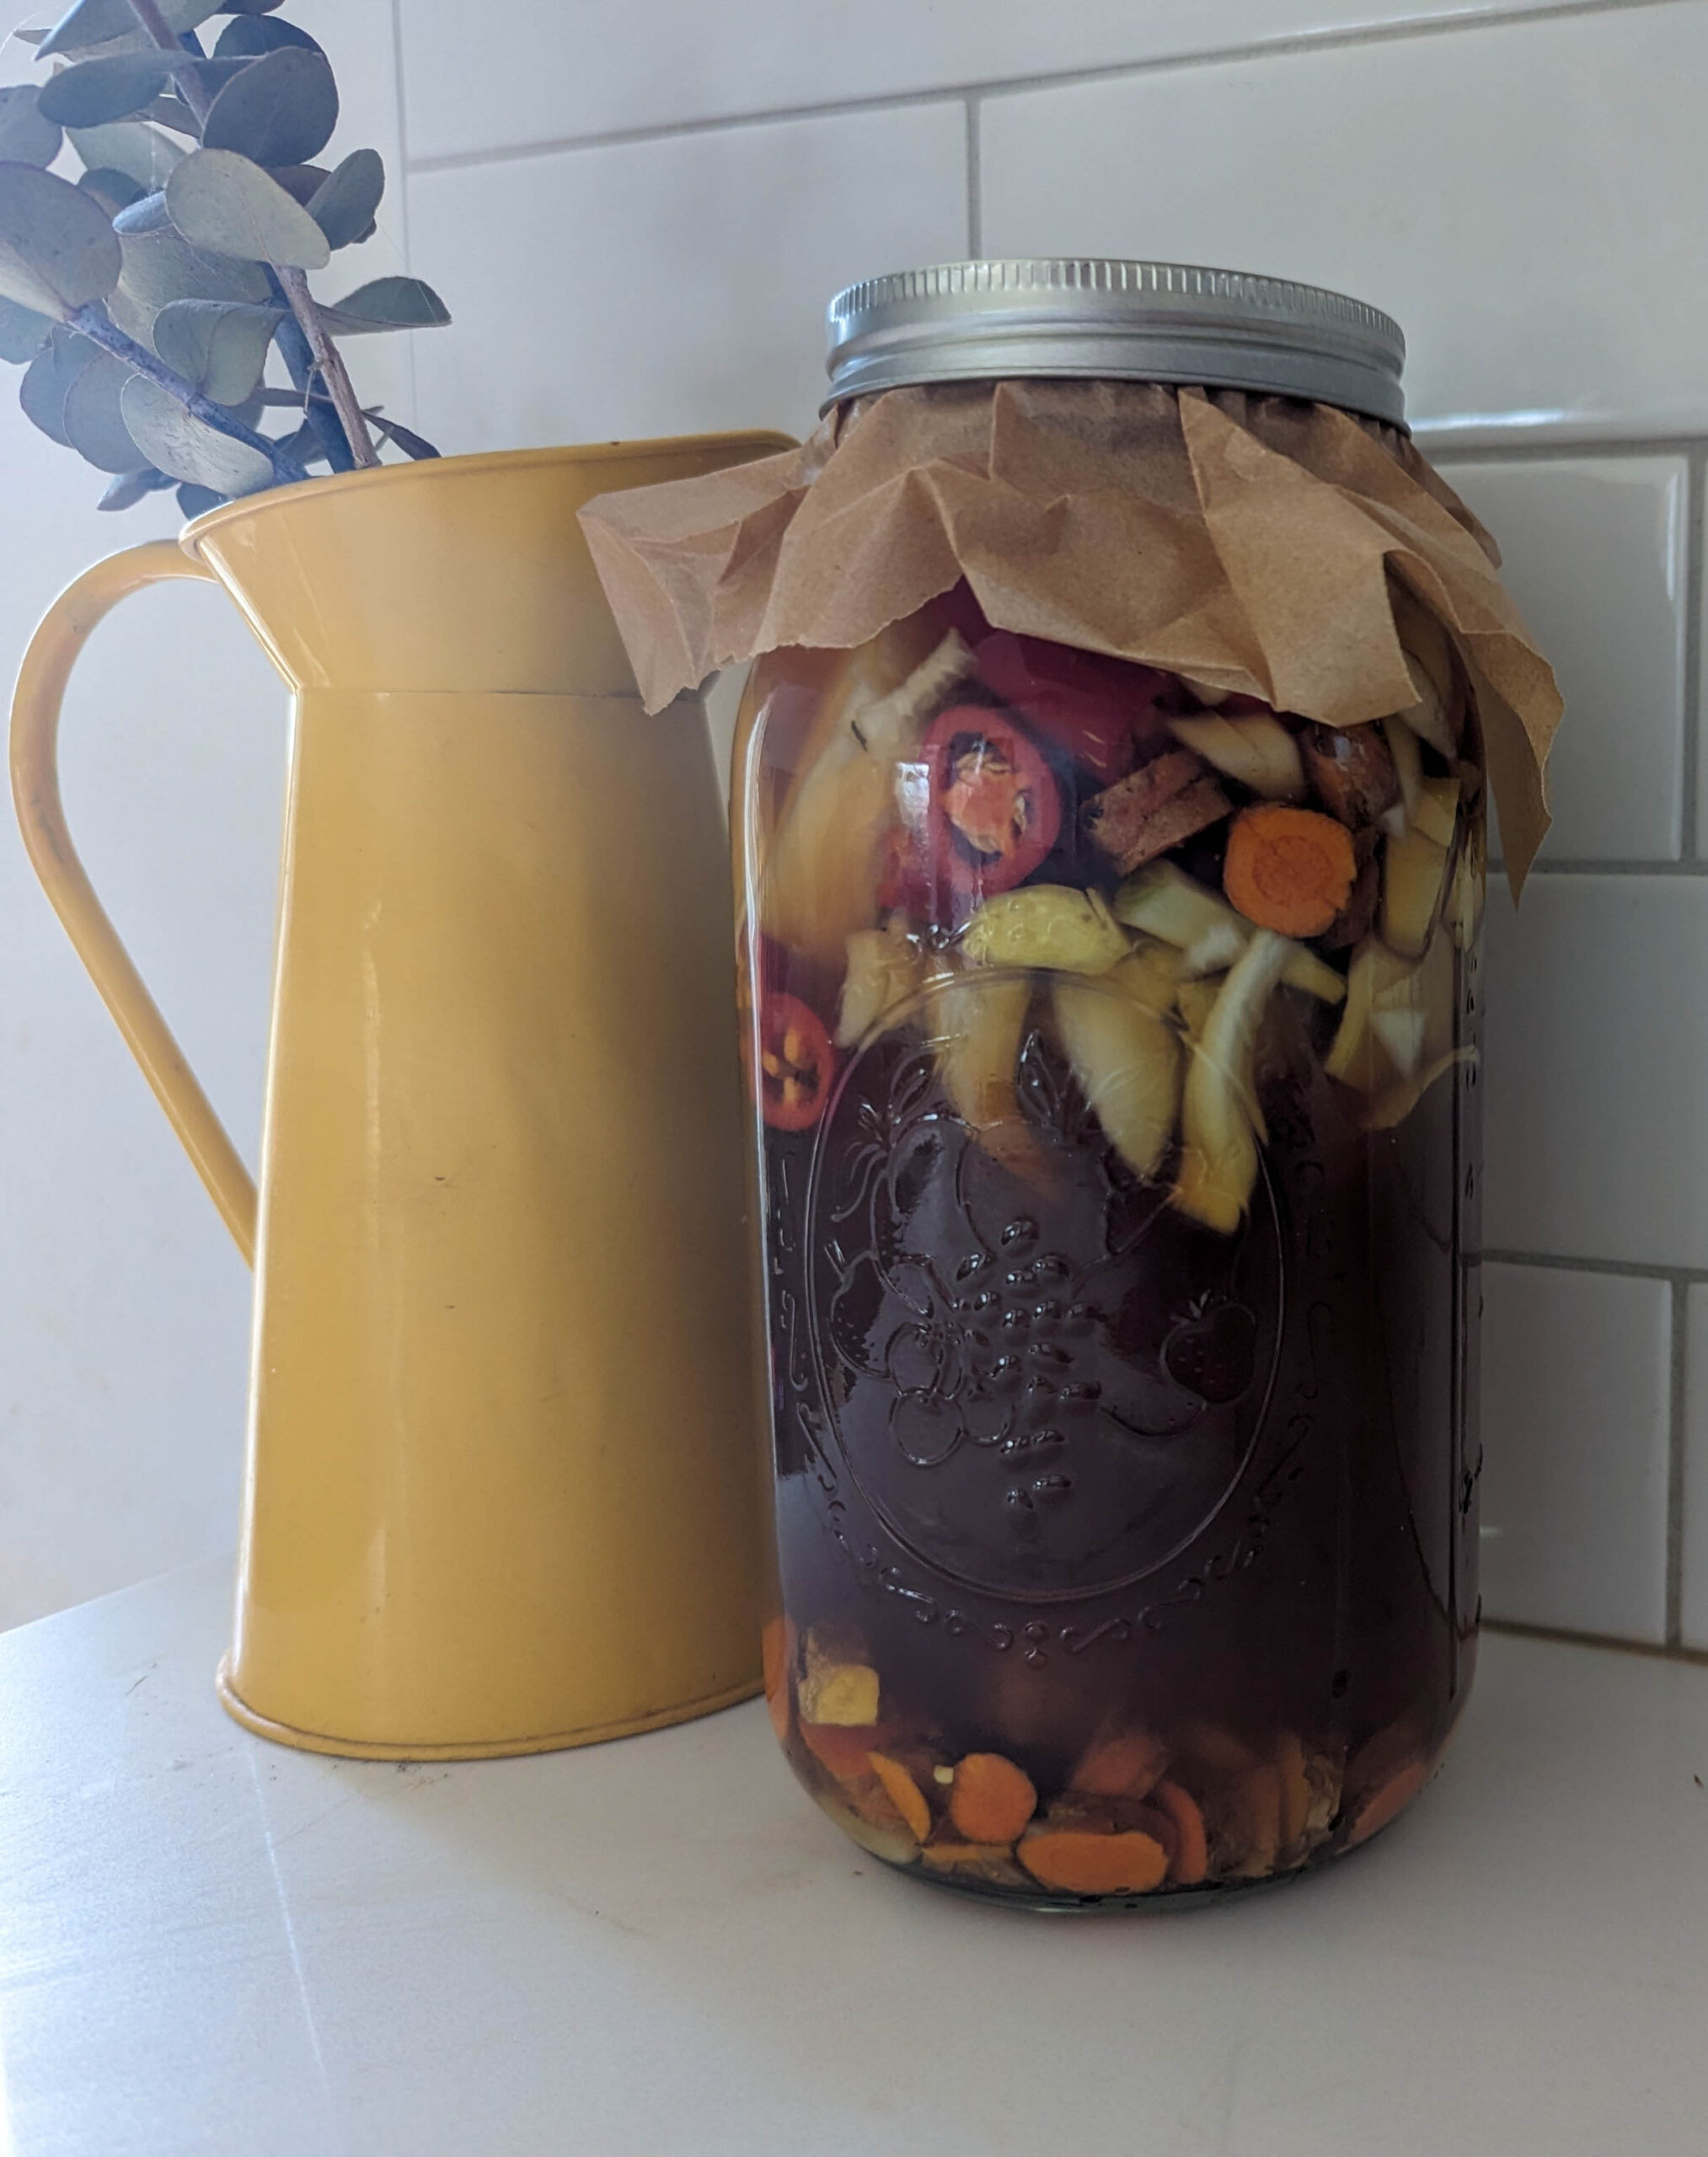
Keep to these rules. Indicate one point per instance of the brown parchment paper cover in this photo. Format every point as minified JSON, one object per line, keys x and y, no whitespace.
{"x":1246,"y":541}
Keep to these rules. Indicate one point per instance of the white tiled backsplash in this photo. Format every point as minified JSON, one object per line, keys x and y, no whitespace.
{"x":637,"y":229}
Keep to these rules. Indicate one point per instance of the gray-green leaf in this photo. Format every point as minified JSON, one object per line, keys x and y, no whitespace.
{"x":345,"y":205}
{"x":249,"y":36}
{"x":26,"y":138}
{"x":48,"y":378}
{"x":128,"y":147}
{"x":279,"y":111}
{"x":91,"y":419}
{"x":101,"y":22}
{"x":147,"y":213}
{"x":187,"y":447}
{"x":387,"y":303}
{"x":196,"y":501}
{"x":219,"y":200}
{"x":161,"y":266}
{"x":96,"y":91}
{"x":221,"y":348}
{"x":116,"y":191}
{"x":21,"y":331}
{"x":129,"y":488}
{"x":58,"y":250}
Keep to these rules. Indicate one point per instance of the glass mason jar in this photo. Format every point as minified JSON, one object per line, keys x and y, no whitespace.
{"x":1112,"y":1043}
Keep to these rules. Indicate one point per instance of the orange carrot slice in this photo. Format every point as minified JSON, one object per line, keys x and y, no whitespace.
{"x":905,"y":1794}
{"x":1289,"y":870}
{"x":776,"y":1654}
{"x":1079,"y":1864}
{"x":844,"y":1750}
{"x":1192,"y":1859}
{"x":1126,"y":1766}
{"x":1388,"y":1803}
{"x":991,"y":1800}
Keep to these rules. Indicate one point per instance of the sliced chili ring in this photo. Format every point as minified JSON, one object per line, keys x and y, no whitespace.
{"x":1092,"y":708}
{"x":994,"y":810}
{"x":796,"y":1062}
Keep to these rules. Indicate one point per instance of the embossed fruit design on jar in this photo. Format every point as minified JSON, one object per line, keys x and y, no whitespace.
{"x":1109,"y":820}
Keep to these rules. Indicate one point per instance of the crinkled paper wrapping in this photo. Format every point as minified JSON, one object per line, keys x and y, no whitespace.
{"x":1247,"y":541}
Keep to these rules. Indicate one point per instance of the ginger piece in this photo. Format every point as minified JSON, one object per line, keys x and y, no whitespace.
{"x":1126,"y":1059}
{"x":991,"y":1800}
{"x":1127,"y":1764}
{"x":1163,"y":901}
{"x":1254,"y":749}
{"x":1428,"y":716}
{"x":977,"y":1029}
{"x":1242,"y":1816}
{"x":1414,"y":870}
{"x":1155,"y":808}
{"x":1190,"y":1860}
{"x":821,"y":874}
{"x":1073,"y":1863}
{"x":1351,"y":771}
{"x":1435,"y":812}
{"x":888,"y":1837}
{"x":1050,"y":927}
{"x":1289,"y":870}
{"x":1408,"y":763}
{"x":885,"y":970}
{"x":1220,"y":1120}
{"x":836,"y":1687}
{"x":903,"y":1793}
{"x":1394,"y":1105}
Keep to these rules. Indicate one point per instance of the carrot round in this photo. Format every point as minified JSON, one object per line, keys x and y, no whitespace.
{"x":777,"y":1652}
{"x":1388,"y":1803}
{"x":904,"y":1793}
{"x":991,"y":1800}
{"x":1191,"y":1859}
{"x":1289,"y":870}
{"x":1126,"y":1766}
{"x":1079,"y":1864}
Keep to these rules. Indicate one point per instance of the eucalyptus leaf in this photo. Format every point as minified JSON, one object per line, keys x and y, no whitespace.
{"x":129,"y":147}
{"x":249,"y":7}
{"x":26,"y":136}
{"x":221,"y":348}
{"x":176,"y":441}
{"x":161,"y":266}
{"x":219,"y":200}
{"x":91,"y":417}
{"x":130,"y":488}
{"x":250,"y":35}
{"x":103,"y":22}
{"x":196,"y":501}
{"x":48,"y":378}
{"x":172,"y":112}
{"x":345,"y":205}
{"x":411,"y":444}
{"x":58,"y":250}
{"x":387,"y":303}
{"x":96,"y":91}
{"x":22,"y":330}
{"x":148,"y":214}
{"x":301,"y":183}
{"x":279,"y":111}
{"x":116,"y":191}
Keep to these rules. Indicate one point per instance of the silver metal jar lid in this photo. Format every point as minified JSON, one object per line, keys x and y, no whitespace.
{"x":1130,"y":321}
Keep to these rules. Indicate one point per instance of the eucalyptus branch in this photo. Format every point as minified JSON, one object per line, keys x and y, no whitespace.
{"x":91,"y":322}
{"x":293,"y":283}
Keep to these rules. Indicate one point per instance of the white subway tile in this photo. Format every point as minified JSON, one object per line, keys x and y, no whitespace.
{"x":1504,"y":191}
{"x":667,"y":287}
{"x":1596,"y":1044}
{"x":1694,"y":1552}
{"x":1576,"y":1410}
{"x":1593,"y":551}
{"x":677,"y":60}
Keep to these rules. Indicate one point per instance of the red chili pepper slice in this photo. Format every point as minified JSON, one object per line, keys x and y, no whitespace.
{"x":994,"y":810}
{"x":1094,"y":709}
{"x":796,"y":1062}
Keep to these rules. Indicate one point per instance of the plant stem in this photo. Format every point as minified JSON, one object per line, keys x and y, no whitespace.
{"x":91,"y":323}
{"x":294,"y":283}
{"x":329,"y":362}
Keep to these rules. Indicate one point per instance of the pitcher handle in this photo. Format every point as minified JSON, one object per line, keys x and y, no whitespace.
{"x":36,"y":706}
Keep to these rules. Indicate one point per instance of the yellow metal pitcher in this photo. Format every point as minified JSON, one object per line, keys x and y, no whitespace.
{"x":502,"y":1493}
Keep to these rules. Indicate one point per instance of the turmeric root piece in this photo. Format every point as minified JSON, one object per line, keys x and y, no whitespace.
{"x":1129,"y":1765}
{"x":1289,"y":870}
{"x":1242,"y":1816}
{"x":991,"y":1800}
{"x":904,"y":1793}
{"x":1190,"y":1862}
{"x":1073,"y":1863}
{"x":1386,"y":1803}
{"x":1351,"y":771}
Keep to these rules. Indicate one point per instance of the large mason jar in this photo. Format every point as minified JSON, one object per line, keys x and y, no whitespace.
{"x":1112,"y":1043}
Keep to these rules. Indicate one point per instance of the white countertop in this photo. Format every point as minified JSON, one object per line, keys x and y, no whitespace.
{"x":658,"y":1947}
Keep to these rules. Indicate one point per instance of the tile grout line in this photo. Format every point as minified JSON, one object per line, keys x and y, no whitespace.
{"x":1676,"y":1438}
{"x":1615,"y":1643}
{"x":1542,"y":447}
{"x":975,"y":184}
{"x":1676,"y":1276}
{"x":1020,"y":85}
{"x":1690,"y":774}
